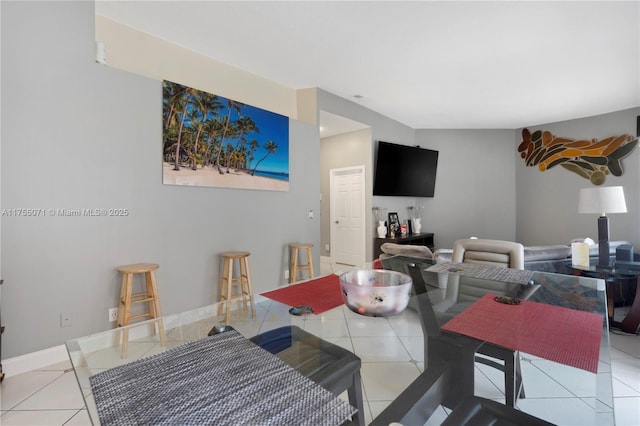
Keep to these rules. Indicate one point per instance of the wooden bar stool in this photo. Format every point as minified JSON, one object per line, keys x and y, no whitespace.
{"x":242,"y":280}
{"x":149,"y":296}
{"x":295,"y":266}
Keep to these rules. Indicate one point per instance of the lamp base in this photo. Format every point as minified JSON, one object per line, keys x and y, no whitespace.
{"x":603,"y":241}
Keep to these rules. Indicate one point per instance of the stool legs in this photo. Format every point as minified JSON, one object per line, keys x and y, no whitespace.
{"x":225,"y":286}
{"x":227,"y":282}
{"x":247,"y":290}
{"x":151,"y":283}
{"x":148,"y":297}
{"x":295,"y":265}
{"x":227,"y":275}
{"x":309,"y":262}
{"x":124,"y":311}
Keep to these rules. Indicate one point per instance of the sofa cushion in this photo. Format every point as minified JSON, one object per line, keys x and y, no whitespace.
{"x":406,"y":250}
{"x":486,"y":258}
{"x":594,"y":247}
{"x":489,"y":252}
{"x":533,"y":253}
{"x":613,"y":245}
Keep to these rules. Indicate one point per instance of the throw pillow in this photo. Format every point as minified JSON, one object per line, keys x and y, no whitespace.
{"x":407,"y":250}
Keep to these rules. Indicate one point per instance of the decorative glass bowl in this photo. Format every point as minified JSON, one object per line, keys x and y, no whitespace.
{"x":376,"y":292}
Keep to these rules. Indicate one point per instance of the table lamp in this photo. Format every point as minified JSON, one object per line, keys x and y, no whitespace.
{"x":603,"y":200}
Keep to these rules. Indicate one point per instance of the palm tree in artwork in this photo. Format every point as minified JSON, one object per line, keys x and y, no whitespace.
{"x":240,"y":159}
{"x":186,"y":101}
{"x":242,"y":126}
{"x":172,"y":97}
{"x":212,"y":130}
{"x":244,"y":161}
{"x":235,"y":159}
{"x":253,"y":145}
{"x":205,"y":103}
{"x":271,"y":147}
{"x":196,"y":123}
{"x":231,"y":105}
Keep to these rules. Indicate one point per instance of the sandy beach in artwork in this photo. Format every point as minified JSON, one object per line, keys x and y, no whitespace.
{"x":209,"y":176}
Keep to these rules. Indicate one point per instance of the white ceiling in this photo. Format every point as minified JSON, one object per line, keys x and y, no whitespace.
{"x":427,"y":64}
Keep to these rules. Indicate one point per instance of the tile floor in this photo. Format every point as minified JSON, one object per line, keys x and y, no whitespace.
{"x":50,"y":396}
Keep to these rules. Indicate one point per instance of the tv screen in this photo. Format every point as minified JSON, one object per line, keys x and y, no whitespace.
{"x":403,"y":170}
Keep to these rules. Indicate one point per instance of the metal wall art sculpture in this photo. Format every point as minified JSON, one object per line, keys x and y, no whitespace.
{"x":591,"y":159}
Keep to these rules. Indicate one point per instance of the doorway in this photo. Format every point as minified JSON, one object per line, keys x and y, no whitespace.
{"x":347,"y":219}
{"x":345,"y":145}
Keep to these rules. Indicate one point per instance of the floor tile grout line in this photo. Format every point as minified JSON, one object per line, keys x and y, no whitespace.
{"x":617,"y":343}
{"x":40,"y":389}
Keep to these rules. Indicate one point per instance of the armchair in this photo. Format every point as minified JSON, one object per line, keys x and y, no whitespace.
{"x":447,"y":379}
{"x":505,"y":254}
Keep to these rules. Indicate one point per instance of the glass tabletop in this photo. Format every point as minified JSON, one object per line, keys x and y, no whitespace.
{"x":621,"y":276}
{"x":617,"y":269}
{"x":102,"y":351}
{"x":99,"y":352}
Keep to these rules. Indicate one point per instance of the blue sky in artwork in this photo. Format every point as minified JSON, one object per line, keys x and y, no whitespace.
{"x":269,"y":127}
{"x":272,"y":126}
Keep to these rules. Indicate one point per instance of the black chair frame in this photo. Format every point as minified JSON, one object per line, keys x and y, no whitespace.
{"x":448,"y":379}
{"x":331,"y":366}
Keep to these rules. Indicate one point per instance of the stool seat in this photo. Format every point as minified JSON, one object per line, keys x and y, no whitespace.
{"x":138,"y":268}
{"x":295,"y":265}
{"x":297,"y":245}
{"x":228,"y":281}
{"x":149,"y":297}
{"x":235,"y":254}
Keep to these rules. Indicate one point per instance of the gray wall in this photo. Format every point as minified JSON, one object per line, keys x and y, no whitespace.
{"x":547,"y":202}
{"x":345,"y":150}
{"x":475,"y":186}
{"x":382,"y":128}
{"x":79,"y":135}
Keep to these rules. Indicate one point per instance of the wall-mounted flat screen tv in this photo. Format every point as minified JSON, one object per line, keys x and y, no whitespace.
{"x":403,"y":170}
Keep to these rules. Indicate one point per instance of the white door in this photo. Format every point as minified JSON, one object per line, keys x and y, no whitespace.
{"x":347,"y":216}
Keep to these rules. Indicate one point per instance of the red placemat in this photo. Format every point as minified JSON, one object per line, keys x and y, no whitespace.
{"x":321,"y":294}
{"x":558,"y":334}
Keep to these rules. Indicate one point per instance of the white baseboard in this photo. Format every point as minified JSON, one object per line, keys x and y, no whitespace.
{"x":45,"y":357}
{"x":328,"y":267}
{"x":34,"y":360}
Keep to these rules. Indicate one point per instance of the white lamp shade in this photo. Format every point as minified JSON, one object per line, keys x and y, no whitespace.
{"x":608,"y":199}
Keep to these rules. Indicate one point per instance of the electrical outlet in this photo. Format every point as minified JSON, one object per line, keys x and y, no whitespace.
{"x":113,"y":314}
{"x":286,"y":274}
{"x":65,"y":319}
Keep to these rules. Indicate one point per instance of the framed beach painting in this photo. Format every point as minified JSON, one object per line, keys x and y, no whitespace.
{"x":209,"y":140}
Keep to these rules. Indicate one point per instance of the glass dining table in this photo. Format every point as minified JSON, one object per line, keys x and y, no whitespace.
{"x":451,"y":294}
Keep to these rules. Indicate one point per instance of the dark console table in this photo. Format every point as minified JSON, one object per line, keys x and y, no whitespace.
{"x":424,"y":239}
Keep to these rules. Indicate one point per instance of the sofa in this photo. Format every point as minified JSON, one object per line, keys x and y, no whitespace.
{"x":551,"y":258}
